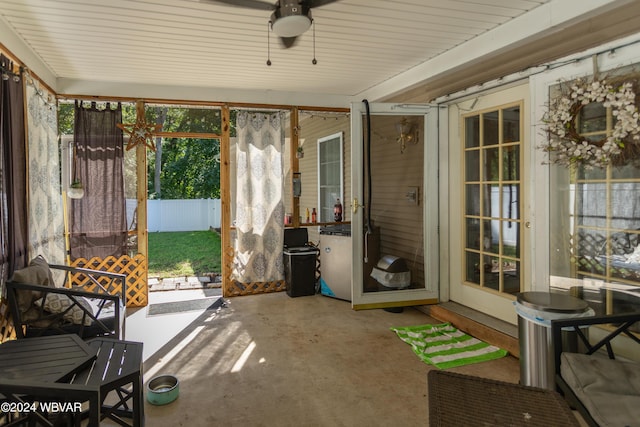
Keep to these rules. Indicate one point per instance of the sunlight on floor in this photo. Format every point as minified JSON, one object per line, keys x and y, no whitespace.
{"x":237,"y":367}
{"x":157,"y":330}
{"x":175,"y":351}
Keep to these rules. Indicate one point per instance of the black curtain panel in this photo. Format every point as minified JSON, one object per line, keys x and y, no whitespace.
{"x":13,"y":176}
{"x":98,"y":220}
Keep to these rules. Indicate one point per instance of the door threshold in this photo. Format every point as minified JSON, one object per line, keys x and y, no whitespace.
{"x":480,"y":325}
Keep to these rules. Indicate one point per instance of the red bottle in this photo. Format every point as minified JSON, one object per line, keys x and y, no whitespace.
{"x":337,"y":211}
{"x":314,"y":216}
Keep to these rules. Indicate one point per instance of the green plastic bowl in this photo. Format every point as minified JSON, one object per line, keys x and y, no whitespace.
{"x":163,"y":389}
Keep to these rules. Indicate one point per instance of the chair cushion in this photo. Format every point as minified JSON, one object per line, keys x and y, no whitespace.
{"x":37,"y":273}
{"x":609,"y":389}
{"x":58,"y":303}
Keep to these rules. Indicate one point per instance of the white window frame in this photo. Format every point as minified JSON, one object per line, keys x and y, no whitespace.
{"x":326,"y":139}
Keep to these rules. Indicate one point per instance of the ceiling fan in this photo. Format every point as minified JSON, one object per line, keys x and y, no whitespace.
{"x":290,"y":18}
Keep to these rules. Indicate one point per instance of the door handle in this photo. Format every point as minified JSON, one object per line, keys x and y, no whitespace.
{"x":355,"y":205}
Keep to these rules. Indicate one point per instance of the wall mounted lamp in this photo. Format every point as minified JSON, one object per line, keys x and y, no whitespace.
{"x":406,"y":133}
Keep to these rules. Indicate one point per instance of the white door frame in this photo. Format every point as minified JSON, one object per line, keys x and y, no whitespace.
{"x":451,"y":238}
{"x":429,"y":294}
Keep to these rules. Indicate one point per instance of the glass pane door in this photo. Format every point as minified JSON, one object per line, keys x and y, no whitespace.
{"x":392,"y":207}
{"x":492,"y":185}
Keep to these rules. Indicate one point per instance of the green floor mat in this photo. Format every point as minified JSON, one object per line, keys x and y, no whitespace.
{"x":444,"y":346}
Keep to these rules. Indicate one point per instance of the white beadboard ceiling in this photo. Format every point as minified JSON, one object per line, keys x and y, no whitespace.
{"x":359,"y":43}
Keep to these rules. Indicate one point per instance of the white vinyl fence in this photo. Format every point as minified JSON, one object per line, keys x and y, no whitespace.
{"x":179,"y":215}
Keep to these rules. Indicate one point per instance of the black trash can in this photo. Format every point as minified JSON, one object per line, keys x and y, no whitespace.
{"x":299,"y":263}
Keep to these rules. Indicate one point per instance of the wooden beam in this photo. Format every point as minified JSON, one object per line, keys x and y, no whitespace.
{"x":295,"y":164}
{"x":225,"y":201}
{"x":187,"y":135}
{"x":199,"y":103}
{"x":141,"y":174}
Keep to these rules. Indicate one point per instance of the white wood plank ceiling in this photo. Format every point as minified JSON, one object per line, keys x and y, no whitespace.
{"x":359,"y":43}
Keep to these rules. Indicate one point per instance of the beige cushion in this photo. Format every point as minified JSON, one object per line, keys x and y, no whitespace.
{"x":609,"y":389}
{"x":37,"y":273}
{"x":57,"y":303}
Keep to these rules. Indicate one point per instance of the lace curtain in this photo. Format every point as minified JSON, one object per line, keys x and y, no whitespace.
{"x":98,"y":220}
{"x":259,"y":198}
{"x":46,"y":219}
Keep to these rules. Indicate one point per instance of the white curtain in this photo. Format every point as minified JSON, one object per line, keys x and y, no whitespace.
{"x":46,"y":219}
{"x":259,"y":198}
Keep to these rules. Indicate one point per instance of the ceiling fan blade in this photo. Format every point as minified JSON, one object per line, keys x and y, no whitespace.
{"x":317,"y":3}
{"x":288,"y":42}
{"x":248,"y":4}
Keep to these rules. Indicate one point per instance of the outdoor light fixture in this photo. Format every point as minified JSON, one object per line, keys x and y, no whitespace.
{"x":8,"y":74}
{"x":406,"y":133}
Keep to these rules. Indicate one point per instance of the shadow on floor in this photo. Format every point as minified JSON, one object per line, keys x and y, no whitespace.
{"x":274,"y":360}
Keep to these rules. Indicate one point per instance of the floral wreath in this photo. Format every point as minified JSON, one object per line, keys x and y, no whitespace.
{"x":569,"y":148}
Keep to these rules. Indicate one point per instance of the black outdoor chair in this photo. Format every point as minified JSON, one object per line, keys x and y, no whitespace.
{"x":38,"y":307}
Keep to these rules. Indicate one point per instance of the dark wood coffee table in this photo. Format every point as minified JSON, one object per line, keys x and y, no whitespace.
{"x":464,"y":400}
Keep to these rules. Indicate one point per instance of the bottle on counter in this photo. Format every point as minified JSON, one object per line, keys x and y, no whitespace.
{"x":306,"y":218}
{"x":337,"y":211}
{"x":314,"y":216}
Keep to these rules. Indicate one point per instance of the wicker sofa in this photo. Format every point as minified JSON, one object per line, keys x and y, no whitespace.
{"x":39,"y":307}
{"x":602,"y":386}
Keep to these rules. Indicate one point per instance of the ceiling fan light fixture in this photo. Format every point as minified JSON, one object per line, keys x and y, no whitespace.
{"x":291,"y":19}
{"x":291,"y":26}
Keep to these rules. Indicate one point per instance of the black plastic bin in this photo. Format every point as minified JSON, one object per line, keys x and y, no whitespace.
{"x":299,"y":263}
{"x":300,"y":272}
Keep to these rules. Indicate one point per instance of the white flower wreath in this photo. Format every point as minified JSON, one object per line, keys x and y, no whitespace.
{"x":568,"y":147}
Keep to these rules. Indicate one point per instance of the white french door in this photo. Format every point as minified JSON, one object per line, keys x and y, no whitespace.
{"x":489,"y":228}
{"x":394,"y":204}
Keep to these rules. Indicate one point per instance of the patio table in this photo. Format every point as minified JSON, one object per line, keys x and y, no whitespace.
{"x":65,"y":368}
{"x":117,"y":369}
{"x":38,"y":369}
{"x":45,"y":359}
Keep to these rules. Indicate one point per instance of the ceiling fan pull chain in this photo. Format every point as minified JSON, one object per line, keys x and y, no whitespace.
{"x":268,"y":45}
{"x":314,"y":61}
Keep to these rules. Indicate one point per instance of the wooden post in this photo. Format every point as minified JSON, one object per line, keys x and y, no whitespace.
{"x":225,"y":190}
{"x":295,"y":164}
{"x":141,"y":174}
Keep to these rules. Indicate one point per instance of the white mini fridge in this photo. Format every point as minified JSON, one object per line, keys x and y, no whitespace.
{"x":335,"y":261}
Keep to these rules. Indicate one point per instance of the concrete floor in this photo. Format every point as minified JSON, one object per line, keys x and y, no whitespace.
{"x":272,"y":360}
{"x":156,"y":331}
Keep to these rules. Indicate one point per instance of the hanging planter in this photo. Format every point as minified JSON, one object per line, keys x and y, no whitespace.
{"x":567,"y":147}
{"x":76,"y":190}
{"x":300,"y":152}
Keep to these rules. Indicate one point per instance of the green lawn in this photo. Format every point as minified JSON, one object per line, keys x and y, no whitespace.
{"x":189,"y":253}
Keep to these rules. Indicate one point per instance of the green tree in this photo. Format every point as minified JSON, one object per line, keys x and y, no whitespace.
{"x":189,"y":169}
{"x":185,"y":168}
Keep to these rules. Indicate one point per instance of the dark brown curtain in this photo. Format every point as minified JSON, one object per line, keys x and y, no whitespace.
{"x":13,"y":176}
{"x":98,"y":220}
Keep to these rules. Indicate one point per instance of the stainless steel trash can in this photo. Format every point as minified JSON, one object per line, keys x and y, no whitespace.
{"x":535,"y":311}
